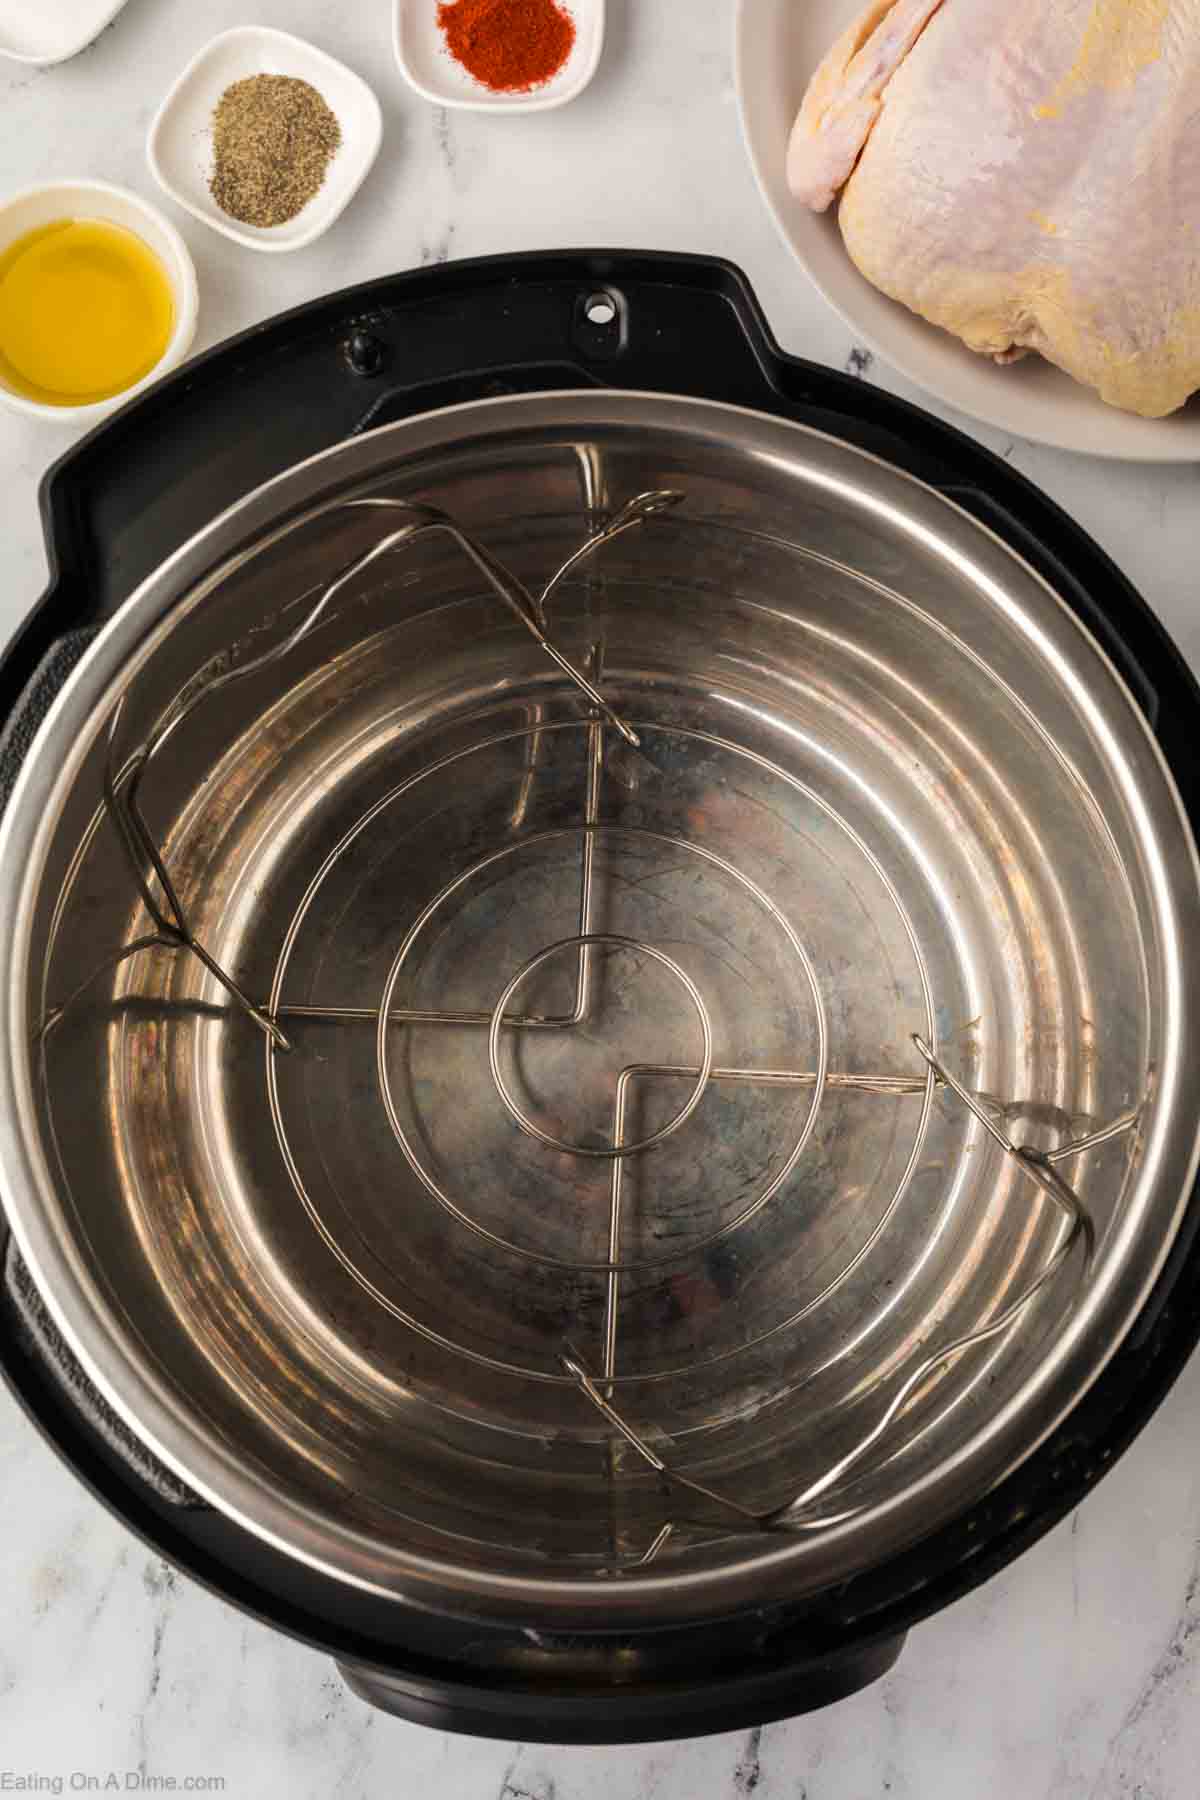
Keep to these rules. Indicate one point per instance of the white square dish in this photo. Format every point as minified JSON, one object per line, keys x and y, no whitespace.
{"x":429,"y":68}
{"x":50,"y":31}
{"x":179,"y":145}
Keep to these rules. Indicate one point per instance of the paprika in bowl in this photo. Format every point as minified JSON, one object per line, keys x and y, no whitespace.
{"x":499,"y":55}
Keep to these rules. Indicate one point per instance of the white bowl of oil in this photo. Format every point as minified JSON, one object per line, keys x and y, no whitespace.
{"x":97,"y":299}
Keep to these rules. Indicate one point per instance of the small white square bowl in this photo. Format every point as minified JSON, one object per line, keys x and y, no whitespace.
{"x":428,"y":66}
{"x":179,"y":145}
{"x":49,"y":31}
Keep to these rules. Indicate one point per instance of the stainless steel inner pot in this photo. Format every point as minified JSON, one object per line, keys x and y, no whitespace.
{"x":886,"y":788}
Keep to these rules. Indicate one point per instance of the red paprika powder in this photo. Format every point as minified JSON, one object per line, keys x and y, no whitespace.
{"x":508,"y":45}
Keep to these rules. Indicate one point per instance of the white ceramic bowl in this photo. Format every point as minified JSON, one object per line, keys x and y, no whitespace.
{"x":428,"y":66}
{"x":98,"y":200}
{"x":778,"y":45}
{"x":49,"y":31}
{"x":179,"y":147}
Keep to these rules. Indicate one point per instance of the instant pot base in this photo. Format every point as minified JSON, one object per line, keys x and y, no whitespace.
{"x":772,"y":1635}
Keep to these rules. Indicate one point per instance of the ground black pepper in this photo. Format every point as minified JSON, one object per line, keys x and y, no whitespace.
{"x":273,"y":137}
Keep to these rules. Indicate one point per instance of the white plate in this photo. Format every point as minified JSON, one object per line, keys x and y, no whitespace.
{"x":778,"y":45}
{"x":48,"y":31}
{"x":179,"y":146}
{"x":428,"y":66}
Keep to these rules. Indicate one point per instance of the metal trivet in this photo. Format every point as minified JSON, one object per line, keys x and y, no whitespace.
{"x":596,"y":1384}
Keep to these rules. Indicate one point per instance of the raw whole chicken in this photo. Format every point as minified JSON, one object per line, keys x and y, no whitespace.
{"x":1026,"y":174}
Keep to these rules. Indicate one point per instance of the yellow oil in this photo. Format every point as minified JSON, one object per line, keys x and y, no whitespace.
{"x":86,"y":310}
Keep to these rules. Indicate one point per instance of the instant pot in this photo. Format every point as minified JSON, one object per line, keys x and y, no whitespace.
{"x":597,"y":1102}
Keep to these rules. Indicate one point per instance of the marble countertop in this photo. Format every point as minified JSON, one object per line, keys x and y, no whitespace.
{"x":1077,"y":1672}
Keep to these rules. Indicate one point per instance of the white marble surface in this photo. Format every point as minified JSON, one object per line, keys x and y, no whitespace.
{"x":1075,"y":1673}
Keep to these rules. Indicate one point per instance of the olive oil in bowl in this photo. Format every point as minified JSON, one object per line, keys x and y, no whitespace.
{"x":86,"y":310}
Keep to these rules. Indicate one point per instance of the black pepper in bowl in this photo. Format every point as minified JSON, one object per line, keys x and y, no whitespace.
{"x":273,"y":139}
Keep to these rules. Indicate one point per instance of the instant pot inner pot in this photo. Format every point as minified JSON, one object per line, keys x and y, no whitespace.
{"x":393,"y":1262}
